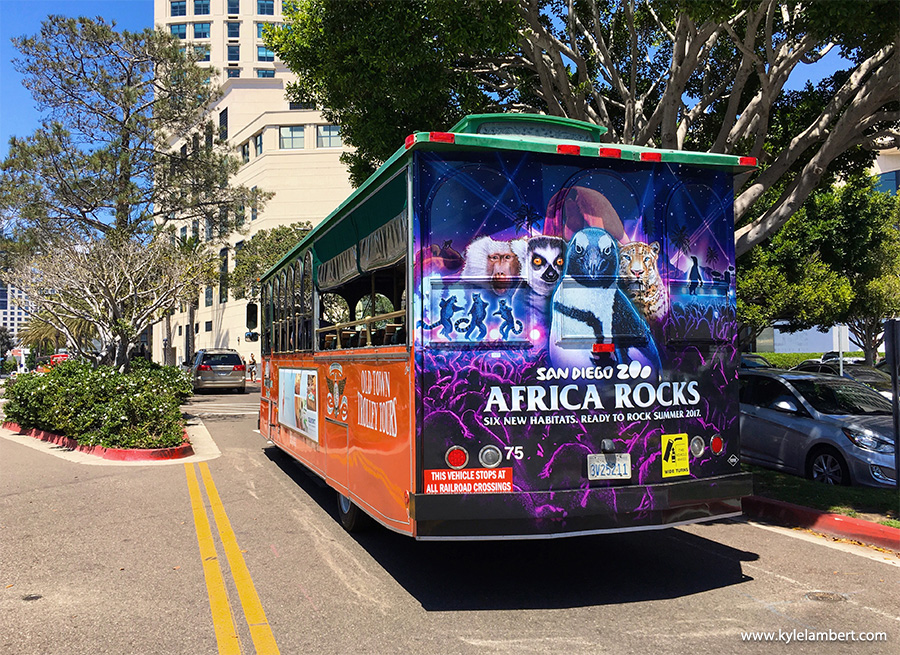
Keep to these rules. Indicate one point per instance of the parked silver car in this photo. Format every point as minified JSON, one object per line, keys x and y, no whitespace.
{"x":219,"y":368}
{"x":868,"y":375}
{"x":824,"y":427}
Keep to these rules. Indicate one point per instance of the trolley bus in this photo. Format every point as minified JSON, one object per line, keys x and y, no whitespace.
{"x":515,"y":330}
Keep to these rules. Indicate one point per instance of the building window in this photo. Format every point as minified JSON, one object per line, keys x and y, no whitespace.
{"x":245,"y":152}
{"x":202,"y":52}
{"x":233,"y":30}
{"x":201,"y":30}
{"x":264,"y":54}
{"x":257,"y":143}
{"x":207,"y":297}
{"x":201,"y":7}
{"x":183,"y":233}
{"x":179,"y":30}
{"x":223,"y":275}
{"x":260,"y":28}
{"x":265,"y":7}
{"x":178,"y":7}
{"x":253,"y":210}
{"x":290,"y":137}
{"x":223,"y":124}
{"x":265,"y":72}
{"x":209,"y":229}
{"x":207,"y":327}
{"x":195,"y":229}
{"x":180,"y":330}
{"x":234,"y":53}
{"x":234,"y":6}
{"x":329,"y":136}
{"x":233,"y":72}
{"x":302,"y":105}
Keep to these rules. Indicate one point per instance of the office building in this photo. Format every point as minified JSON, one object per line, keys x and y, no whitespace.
{"x":286,"y":148}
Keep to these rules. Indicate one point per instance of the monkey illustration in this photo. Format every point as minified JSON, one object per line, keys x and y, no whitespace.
{"x":509,"y":321}
{"x":589,"y":306}
{"x":478,"y":312}
{"x":543,"y":258}
{"x":494,"y":264}
{"x":448,"y":308}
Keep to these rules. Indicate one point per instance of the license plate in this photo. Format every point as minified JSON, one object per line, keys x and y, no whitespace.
{"x":611,"y":466}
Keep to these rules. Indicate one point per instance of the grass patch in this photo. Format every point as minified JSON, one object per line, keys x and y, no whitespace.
{"x":849,"y":501}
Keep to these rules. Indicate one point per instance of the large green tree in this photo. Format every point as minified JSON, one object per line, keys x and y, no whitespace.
{"x":856,"y":231}
{"x":125,"y":146}
{"x":699,"y":74}
{"x":837,"y":260}
{"x":259,"y":253}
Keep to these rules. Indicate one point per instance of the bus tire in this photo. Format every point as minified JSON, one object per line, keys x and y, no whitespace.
{"x":352,"y":517}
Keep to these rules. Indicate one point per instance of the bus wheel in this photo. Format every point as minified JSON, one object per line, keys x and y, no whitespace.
{"x":352,"y":517}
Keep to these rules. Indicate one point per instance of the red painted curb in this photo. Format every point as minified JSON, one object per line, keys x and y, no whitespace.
{"x":835,"y":525}
{"x":113,"y":454}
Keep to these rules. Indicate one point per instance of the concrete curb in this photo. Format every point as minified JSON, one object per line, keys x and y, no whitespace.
{"x":113,"y":454}
{"x":834,"y":525}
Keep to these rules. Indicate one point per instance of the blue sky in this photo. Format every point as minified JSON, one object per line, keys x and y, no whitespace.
{"x":18,"y":117}
{"x":23,"y":17}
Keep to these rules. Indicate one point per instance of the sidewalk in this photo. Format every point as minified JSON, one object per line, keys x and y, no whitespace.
{"x":834,"y":525}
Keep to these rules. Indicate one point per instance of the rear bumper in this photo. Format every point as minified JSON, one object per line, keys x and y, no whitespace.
{"x":580,"y":511}
{"x":225,"y":383}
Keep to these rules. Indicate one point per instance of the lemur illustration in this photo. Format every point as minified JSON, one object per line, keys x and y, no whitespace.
{"x":542,"y":260}
{"x":448,"y":308}
{"x":510,"y":322}
{"x":478,"y":312}
{"x":589,"y":307}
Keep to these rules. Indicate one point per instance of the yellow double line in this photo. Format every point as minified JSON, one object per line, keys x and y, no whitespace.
{"x":222,"y":615}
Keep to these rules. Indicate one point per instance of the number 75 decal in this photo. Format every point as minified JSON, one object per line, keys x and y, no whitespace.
{"x":514,"y":452}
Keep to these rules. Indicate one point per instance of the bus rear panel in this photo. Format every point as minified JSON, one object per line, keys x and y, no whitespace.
{"x":576,"y":354}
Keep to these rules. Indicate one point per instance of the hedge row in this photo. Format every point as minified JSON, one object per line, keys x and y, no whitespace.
{"x":99,"y":406}
{"x":789,"y":360}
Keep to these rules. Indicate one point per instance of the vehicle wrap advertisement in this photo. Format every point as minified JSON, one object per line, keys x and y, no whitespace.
{"x":562,"y":306}
{"x":298,"y":403}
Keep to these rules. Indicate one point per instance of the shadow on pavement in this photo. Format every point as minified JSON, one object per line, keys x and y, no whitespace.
{"x":540,"y":574}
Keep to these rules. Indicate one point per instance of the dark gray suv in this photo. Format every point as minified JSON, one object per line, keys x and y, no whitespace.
{"x":219,"y":368}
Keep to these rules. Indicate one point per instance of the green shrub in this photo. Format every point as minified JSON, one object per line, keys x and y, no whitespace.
{"x":789,"y":360}
{"x":99,"y":406}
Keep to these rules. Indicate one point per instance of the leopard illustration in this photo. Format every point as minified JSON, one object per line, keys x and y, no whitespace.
{"x":639,"y":276}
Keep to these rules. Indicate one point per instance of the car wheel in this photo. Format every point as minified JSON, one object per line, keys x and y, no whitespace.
{"x":352,"y":517}
{"x":826,"y":465}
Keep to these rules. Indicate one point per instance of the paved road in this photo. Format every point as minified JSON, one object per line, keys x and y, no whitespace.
{"x":111,"y":558}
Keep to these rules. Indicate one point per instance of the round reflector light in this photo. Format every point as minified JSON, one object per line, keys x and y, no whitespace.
{"x":457,"y":457}
{"x":490,"y":456}
{"x":698,"y":447}
{"x":716,"y":444}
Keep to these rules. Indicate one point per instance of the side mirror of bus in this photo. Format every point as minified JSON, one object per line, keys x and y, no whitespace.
{"x":252,"y":316}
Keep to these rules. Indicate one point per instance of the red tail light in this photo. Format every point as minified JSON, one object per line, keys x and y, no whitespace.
{"x":442,"y":137}
{"x":610,"y":152}
{"x":651,"y":156}
{"x":747,"y":161}
{"x":716,"y":444}
{"x":568,"y":150}
{"x":239,"y":367}
{"x":204,"y":367}
{"x":456,"y":457}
